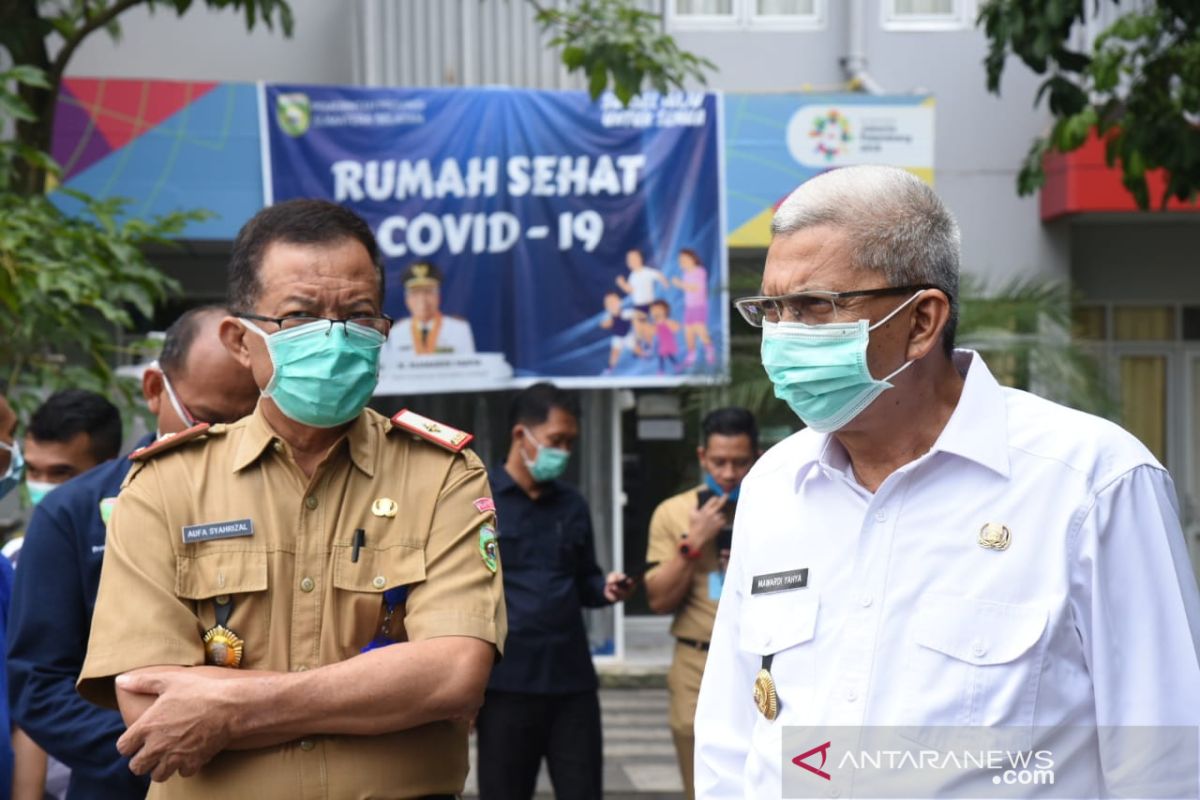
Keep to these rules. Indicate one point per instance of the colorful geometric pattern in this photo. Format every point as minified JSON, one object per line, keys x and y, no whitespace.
{"x":165,"y":145}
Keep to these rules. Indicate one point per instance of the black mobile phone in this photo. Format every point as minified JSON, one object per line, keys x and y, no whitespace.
{"x":639,"y":573}
{"x":725,"y":538}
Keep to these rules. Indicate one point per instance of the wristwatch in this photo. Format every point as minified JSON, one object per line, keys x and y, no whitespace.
{"x":687,"y":551}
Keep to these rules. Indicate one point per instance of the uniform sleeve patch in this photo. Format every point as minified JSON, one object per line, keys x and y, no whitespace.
{"x":488,"y":549}
{"x":484,"y":505}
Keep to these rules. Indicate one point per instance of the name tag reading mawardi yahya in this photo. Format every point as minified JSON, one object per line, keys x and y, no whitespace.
{"x":779,"y":581}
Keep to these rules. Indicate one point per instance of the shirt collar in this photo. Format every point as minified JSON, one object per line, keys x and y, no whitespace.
{"x":977,"y":429}
{"x":258,"y":435}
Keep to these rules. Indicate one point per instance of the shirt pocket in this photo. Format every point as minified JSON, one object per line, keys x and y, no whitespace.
{"x":783,"y":626}
{"x":234,"y":577}
{"x":359,"y":588}
{"x":973,"y":662}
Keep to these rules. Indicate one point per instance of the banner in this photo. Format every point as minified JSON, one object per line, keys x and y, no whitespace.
{"x":778,"y":141}
{"x":527,"y":235}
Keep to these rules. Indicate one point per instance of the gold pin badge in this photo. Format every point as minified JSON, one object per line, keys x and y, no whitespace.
{"x":764,"y":695}
{"x":384,"y":507}
{"x":222,"y":647}
{"x":994,"y":536}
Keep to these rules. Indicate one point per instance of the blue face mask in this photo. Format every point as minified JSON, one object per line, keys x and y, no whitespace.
{"x":549,"y":463}
{"x":821,"y":371}
{"x":716,"y":489}
{"x":16,"y":468}
{"x":324,"y":375}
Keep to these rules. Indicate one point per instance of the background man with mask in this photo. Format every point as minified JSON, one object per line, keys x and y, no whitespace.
{"x":689,"y":544}
{"x":935,"y":550}
{"x":253,"y":571}
{"x":541,"y":700}
{"x":68,"y":434}
{"x":195,"y":380}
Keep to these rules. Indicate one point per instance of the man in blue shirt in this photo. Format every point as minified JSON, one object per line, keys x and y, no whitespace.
{"x":541,"y":700}
{"x":195,"y":380}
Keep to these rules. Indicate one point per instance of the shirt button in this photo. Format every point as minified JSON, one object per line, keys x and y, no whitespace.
{"x":881,"y":516}
{"x":379,"y":582}
{"x":310,"y":502}
{"x":851,"y":695}
{"x":307,"y":584}
{"x":866,"y":600}
{"x":277,"y":446}
{"x":979,"y":649}
{"x":307,"y":744}
{"x":221,"y":599}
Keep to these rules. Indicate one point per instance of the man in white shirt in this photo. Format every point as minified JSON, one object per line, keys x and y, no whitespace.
{"x":934,"y":550}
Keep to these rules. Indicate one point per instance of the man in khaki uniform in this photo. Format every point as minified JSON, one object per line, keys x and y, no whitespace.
{"x":687,"y":544}
{"x":305,"y":603}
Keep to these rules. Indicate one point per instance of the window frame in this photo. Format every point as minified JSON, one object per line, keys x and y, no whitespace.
{"x":745,"y":17}
{"x":962,"y":18}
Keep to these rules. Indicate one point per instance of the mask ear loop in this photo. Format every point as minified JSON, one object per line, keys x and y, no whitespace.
{"x":896,"y":311}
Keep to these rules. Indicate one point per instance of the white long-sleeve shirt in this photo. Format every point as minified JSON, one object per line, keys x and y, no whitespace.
{"x":1089,"y":617}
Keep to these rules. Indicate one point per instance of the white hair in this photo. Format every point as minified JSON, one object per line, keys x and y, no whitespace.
{"x":896,"y":226}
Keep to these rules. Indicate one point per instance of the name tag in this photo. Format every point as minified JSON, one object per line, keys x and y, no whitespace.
{"x":779,"y":581}
{"x":217,"y":530}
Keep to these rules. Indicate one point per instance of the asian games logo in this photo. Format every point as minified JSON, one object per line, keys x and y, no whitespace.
{"x":293,"y":112}
{"x":832,"y":133}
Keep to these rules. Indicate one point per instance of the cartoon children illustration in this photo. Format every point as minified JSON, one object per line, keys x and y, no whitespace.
{"x":640,"y":285}
{"x":619,"y":323}
{"x":666,"y":345}
{"x":694,"y":284}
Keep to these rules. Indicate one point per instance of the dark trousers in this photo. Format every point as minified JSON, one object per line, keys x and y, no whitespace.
{"x":516,"y":731}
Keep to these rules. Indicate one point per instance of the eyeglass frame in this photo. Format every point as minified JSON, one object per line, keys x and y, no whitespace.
{"x":832,"y":296}
{"x":332,"y":321}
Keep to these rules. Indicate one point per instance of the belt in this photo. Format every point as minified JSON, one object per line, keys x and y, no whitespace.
{"x":692,"y":643}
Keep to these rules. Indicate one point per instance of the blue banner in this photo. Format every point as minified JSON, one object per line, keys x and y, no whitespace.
{"x":527,"y":235}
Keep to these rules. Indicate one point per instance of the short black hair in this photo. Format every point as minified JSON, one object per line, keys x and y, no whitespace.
{"x":730,"y":421}
{"x":666,"y":306}
{"x":70,"y":412}
{"x":531,"y":406}
{"x":181,"y":336}
{"x":301,"y":221}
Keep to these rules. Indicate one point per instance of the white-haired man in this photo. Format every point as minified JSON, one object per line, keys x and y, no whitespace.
{"x":934,"y":550}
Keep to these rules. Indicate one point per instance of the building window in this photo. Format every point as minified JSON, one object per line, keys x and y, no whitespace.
{"x":746,"y":14}
{"x":928,"y":15}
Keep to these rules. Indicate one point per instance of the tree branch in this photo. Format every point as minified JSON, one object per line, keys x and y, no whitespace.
{"x":94,"y":23}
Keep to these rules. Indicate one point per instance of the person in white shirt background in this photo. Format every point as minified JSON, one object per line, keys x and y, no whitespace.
{"x":640,"y":286}
{"x":934,"y":549}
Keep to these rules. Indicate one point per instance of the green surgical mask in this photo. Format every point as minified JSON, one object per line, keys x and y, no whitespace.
{"x":324,"y":372}
{"x":821,"y":371}
{"x":549,"y":463}
{"x":38,"y":490}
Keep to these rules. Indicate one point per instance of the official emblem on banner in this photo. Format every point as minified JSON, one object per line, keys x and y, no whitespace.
{"x":293,"y":113}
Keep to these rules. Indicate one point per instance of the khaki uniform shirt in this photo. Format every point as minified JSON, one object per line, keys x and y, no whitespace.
{"x":299,"y":600}
{"x":695,"y":615}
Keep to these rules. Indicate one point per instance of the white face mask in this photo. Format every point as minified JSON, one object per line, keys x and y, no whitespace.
{"x":38,"y":490}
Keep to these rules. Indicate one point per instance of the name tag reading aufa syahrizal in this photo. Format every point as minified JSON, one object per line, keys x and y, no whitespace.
{"x":779,"y":581}
{"x":217,"y":530}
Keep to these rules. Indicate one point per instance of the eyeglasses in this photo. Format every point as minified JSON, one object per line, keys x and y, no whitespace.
{"x":814,"y":307}
{"x":381,"y":324}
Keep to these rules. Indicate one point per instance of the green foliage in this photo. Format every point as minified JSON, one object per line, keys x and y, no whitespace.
{"x":615,"y":44}
{"x":68,"y":283}
{"x":1138,"y":88}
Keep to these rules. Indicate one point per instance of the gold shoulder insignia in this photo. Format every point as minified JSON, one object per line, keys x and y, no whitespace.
{"x":452,"y":439}
{"x":172,"y":440}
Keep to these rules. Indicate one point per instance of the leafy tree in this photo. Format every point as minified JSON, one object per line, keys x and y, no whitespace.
{"x":68,"y":283}
{"x":1138,"y":88}
{"x":45,"y":34}
{"x":614,"y":42}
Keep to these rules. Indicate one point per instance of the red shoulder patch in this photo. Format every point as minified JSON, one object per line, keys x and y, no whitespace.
{"x":169,"y":441}
{"x":442,"y":435}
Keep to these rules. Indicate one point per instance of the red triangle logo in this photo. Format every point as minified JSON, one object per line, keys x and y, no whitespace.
{"x":123,"y":109}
